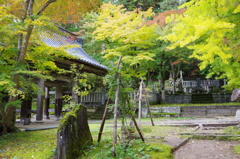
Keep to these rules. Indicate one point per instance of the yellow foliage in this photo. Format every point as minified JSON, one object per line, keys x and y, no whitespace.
{"x":211,"y":29}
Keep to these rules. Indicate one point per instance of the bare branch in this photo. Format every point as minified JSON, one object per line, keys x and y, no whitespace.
{"x":45,"y":6}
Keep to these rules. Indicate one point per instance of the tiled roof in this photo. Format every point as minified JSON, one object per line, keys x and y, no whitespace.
{"x":56,"y":40}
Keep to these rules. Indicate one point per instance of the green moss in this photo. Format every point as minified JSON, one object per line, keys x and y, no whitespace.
{"x":164,"y":114}
{"x":160,"y":151}
{"x":64,"y":121}
{"x":237,"y":149}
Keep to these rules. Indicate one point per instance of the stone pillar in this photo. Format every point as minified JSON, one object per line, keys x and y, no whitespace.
{"x":47,"y":103}
{"x":40,"y":99}
{"x":58,"y":101}
{"x":73,"y":134}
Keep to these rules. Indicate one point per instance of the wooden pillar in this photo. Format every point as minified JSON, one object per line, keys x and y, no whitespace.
{"x":40,"y":99}
{"x":47,"y":103}
{"x":58,"y":101}
{"x":26,"y":107}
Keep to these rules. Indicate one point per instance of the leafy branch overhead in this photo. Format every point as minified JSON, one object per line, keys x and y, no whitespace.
{"x":211,"y":29}
{"x":126,"y":33}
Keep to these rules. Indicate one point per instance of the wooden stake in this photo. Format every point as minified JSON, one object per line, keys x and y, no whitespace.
{"x":149,"y":110}
{"x":138,"y":129}
{"x":103,"y":120}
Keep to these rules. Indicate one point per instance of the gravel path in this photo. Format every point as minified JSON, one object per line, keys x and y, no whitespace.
{"x":207,"y":149}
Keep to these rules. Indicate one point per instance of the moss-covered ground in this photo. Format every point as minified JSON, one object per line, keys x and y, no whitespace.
{"x":42,"y":144}
{"x":26,"y":145}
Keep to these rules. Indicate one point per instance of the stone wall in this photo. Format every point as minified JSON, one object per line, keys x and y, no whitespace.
{"x":199,"y":111}
{"x":179,"y":99}
{"x":73,"y":134}
{"x":221,"y":97}
{"x":186,"y":98}
{"x":209,"y":111}
{"x":166,"y":110}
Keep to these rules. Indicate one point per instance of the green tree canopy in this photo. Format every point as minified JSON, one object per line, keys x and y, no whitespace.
{"x":126,"y":35}
{"x":211,"y":29}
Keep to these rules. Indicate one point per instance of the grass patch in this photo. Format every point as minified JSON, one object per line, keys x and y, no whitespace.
{"x":35,"y":144}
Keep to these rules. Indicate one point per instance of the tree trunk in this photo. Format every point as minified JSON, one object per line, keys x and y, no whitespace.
{"x":9,"y":119}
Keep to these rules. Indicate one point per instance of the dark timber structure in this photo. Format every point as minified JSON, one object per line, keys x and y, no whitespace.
{"x":82,"y":58}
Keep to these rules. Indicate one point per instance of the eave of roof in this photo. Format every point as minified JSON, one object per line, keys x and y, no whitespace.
{"x":57,"y":40}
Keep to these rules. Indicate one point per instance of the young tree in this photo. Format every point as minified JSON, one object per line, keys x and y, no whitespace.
{"x":211,"y":29}
{"x":126,"y":35}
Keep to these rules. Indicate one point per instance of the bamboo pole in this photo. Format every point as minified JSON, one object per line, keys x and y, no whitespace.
{"x":116,"y":109}
{"x":140,"y":103}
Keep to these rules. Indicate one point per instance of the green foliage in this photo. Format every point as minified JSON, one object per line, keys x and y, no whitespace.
{"x":211,"y":29}
{"x":157,"y":5}
{"x":237,"y":149}
{"x":125,"y":33}
{"x":39,"y":56}
{"x":132,"y":150}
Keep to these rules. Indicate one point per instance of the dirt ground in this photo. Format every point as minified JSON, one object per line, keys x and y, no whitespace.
{"x":207,"y":149}
{"x":204,"y":149}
